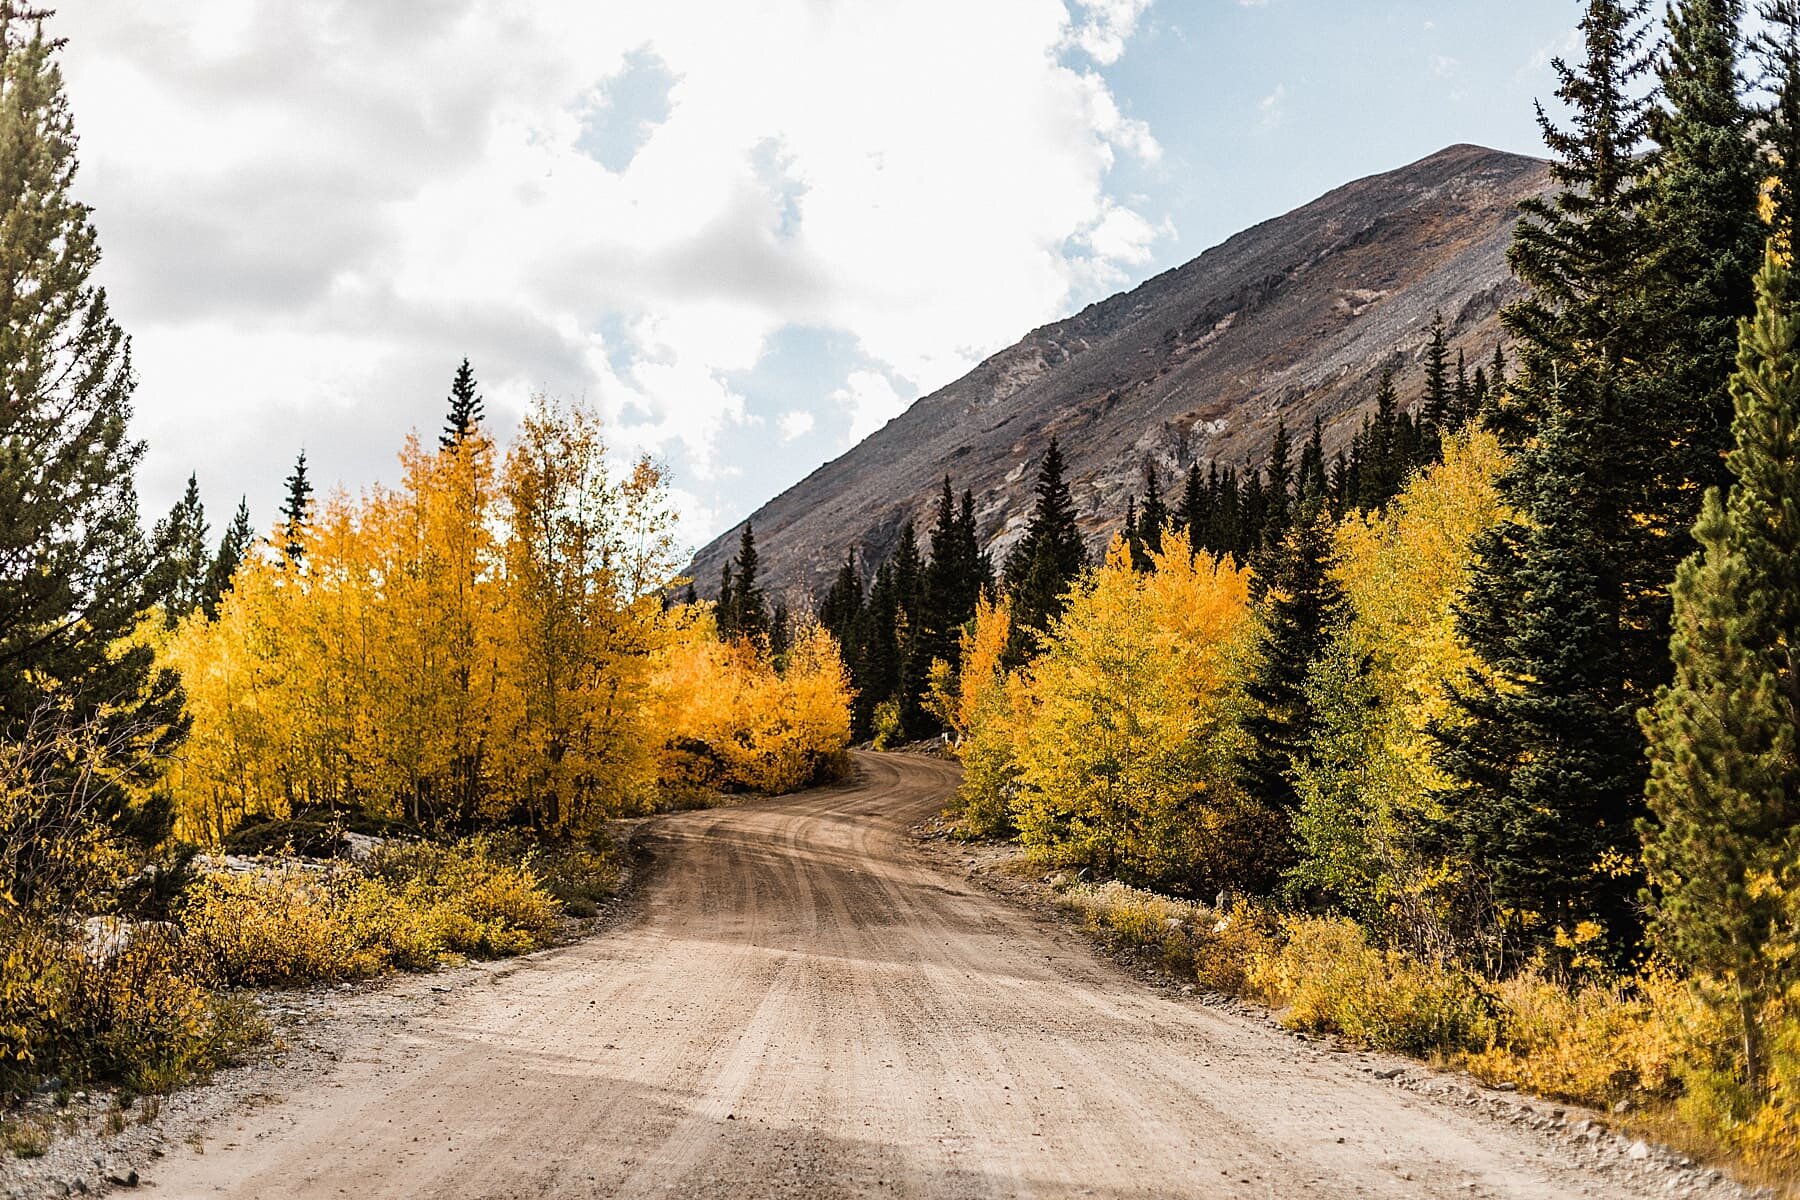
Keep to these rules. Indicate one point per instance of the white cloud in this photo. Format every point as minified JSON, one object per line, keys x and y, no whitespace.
{"x":796,"y":423}
{"x":871,"y":400}
{"x":1106,"y":27}
{"x":311,"y":212}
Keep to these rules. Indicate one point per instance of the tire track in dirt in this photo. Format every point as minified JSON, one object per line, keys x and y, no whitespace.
{"x":804,"y":1005}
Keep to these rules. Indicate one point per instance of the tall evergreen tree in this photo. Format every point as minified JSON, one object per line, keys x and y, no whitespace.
{"x":1439,"y":401}
{"x":1544,"y":752}
{"x":842,"y":605}
{"x":1046,"y":560}
{"x":1301,"y":604}
{"x":1724,"y":736}
{"x":296,"y":512}
{"x":878,"y":648}
{"x":1153,"y":518}
{"x":1312,"y":480}
{"x":1382,"y":459}
{"x":239,"y":537}
{"x":749,"y":607}
{"x":1194,"y":514}
{"x":466,"y":409}
{"x":1708,"y":239}
{"x":72,"y":556}
{"x":178,"y":573}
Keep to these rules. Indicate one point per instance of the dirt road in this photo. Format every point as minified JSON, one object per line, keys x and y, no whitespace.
{"x":805,"y":1006}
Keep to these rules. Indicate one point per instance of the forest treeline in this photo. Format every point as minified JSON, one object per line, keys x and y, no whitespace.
{"x":1491,"y":720}
{"x":476,"y":667}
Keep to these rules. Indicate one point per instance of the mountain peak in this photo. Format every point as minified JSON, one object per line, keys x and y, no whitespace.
{"x":1293,"y":318}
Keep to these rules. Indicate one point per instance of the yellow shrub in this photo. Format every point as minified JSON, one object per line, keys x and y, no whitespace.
{"x":730,"y":720}
{"x":1595,"y":1044}
{"x":279,"y":927}
{"x":1329,"y":979}
{"x":465,"y":899}
{"x":1219,"y":947}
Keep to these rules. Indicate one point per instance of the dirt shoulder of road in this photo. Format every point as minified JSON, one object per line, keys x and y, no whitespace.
{"x":1592,"y":1139}
{"x":98,"y":1147}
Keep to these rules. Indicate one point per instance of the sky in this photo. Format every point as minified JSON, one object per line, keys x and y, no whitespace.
{"x":749,"y":232}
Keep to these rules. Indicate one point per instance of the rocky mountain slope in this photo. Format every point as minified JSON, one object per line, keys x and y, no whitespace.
{"x":1293,"y":317}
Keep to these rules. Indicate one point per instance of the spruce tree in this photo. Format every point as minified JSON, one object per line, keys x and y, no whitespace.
{"x":1134,"y":541}
{"x":1707,"y":239}
{"x":233,"y":547}
{"x":181,"y":560}
{"x":73,"y":561}
{"x":466,"y":409}
{"x":842,"y":605}
{"x":1300,"y":605}
{"x":878,"y":649}
{"x":952,"y":579}
{"x":1041,"y":567}
{"x":296,"y":513}
{"x":749,"y":607}
{"x":1543,"y":751}
{"x":1194,"y":514}
{"x":1435,"y":408}
{"x":1312,"y":479}
{"x":1383,"y":459}
{"x":1724,"y":735}
{"x":1153,"y":518}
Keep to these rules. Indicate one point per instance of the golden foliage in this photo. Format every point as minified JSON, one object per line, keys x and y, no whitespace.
{"x":986,"y":712}
{"x":1125,"y":752}
{"x":1382,"y":685}
{"x":470,"y":648}
{"x":731,"y":720}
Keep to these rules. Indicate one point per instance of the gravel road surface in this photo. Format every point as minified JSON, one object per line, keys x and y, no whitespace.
{"x":805,"y":1005}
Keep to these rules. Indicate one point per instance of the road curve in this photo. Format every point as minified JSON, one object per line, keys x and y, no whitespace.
{"x":804,"y":1006}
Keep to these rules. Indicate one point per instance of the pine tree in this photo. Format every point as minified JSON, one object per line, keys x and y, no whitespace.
{"x":842,"y":605}
{"x":1544,"y":751}
{"x":1462,"y":396}
{"x":1383,"y":458}
{"x":296,"y":513}
{"x":1312,"y":480}
{"x":1195,"y":513}
{"x":1435,"y":408}
{"x":233,"y":547}
{"x":1046,"y":560}
{"x":1301,"y":604}
{"x":749,"y":607}
{"x":178,"y":573}
{"x":1154,"y":517}
{"x":953,"y":578}
{"x":878,"y":649}
{"x":1134,"y":540}
{"x":1707,"y":239}
{"x":1724,"y":736}
{"x":73,"y":562}
{"x":466,"y":410}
